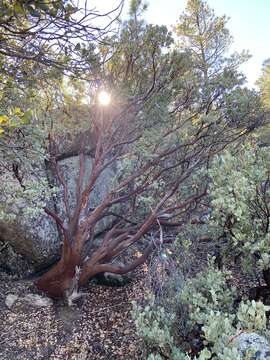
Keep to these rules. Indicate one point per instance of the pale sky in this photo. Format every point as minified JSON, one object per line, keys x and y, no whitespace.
{"x":249,"y":25}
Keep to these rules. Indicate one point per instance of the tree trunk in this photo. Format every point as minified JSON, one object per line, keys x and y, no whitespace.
{"x":57,"y":280}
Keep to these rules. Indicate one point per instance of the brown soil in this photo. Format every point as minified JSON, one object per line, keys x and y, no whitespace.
{"x":98,"y":327}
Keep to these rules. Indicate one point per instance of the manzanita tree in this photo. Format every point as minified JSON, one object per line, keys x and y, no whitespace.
{"x":159,"y":130}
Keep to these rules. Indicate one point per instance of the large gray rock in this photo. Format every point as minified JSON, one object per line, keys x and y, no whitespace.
{"x":33,"y":243}
{"x":35,"y":237}
{"x":13,"y":264}
{"x":254,"y":345}
{"x":70,"y":168}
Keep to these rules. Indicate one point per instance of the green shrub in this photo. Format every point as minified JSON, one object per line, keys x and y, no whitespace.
{"x":154,"y":326}
{"x":240,"y":193}
{"x":210,"y":315}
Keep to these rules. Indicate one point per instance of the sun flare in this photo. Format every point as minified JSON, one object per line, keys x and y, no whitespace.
{"x":104,"y":98}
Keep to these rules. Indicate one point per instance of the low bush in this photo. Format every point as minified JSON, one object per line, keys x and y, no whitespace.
{"x":206,"y":324}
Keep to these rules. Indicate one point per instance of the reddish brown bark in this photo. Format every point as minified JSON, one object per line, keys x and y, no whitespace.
{"x":57,"y":280}
{"x":59,"y":277}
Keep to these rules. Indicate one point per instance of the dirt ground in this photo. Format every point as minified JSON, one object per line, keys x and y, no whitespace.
{"x":98,"y":327}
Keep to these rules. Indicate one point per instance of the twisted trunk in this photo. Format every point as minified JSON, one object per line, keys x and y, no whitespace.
{"x":58,"y":281}
{"x":59,"y":278}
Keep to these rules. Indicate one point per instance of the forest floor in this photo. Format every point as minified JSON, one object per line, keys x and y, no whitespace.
{"x":99,"y":326}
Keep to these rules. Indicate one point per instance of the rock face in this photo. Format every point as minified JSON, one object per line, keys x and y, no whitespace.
{"x":37,"y":240}
{"x":70,"y":169}
{"x":12,"y":263}
{"x":254,"y":345}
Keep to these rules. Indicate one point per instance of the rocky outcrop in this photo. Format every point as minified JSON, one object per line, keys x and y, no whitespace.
{"x":12,"y":264}
{"x":70,"y":167}
{"x":36,"y":240}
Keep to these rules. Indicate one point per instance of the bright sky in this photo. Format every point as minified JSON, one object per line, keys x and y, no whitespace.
{"x":249,"y":25}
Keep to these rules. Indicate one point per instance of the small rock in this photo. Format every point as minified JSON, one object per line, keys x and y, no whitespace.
{"x":252,"y":342}
{"x":10,"y":300}
{"x":37,"y":300}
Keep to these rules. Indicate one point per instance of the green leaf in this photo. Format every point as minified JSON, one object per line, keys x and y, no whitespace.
{"x":27,"y":117}
{"x":19,"y":9}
